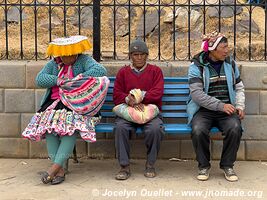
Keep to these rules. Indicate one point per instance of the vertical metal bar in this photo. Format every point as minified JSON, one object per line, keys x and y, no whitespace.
{"x":159,"y":11}
{"x":79,"y":16}
{"x":114,"y":29}
{"x":21,"y":35}
{"x":189,"y":30}
{"x":249,"y":34}
{"x":234,"y":29}
{"x":220,"y":5}
{"x":50,"y":20}
{"x":204,"y":16}
{"x":64,"y":18}
{"x":35,"y":29}
{"x":265,"y":43}
{"x":96,"y":29}
{"x":129,"y":25}
{"x":144,"y":25}
{"x":173,"y":26}
{"x":6,"y":29}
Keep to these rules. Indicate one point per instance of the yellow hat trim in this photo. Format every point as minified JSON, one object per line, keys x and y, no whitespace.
{"x":69,"y":49}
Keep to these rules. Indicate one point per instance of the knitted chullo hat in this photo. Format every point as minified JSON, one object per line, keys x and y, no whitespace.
{"x":210,"y":41}
{"x":138,"y":46}
{"x":68,"y":46}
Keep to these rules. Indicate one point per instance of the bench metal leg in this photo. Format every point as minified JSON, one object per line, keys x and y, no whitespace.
{"x":75,"y":159}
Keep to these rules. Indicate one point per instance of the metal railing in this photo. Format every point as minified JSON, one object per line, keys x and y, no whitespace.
{"x":171,"y":28}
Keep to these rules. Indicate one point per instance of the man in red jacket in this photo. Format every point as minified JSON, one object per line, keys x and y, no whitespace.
{"x":149,"y":79}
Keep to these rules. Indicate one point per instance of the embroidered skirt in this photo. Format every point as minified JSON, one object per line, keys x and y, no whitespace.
{"x":55,"y":118}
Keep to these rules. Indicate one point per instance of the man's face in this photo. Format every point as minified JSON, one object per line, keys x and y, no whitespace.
{"x":220,"y":53}
{"x":138,"y":59}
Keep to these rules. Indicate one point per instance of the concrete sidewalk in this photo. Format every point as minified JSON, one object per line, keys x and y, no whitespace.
{"x":94,"y":179}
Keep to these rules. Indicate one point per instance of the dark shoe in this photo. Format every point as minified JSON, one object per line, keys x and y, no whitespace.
{"x":57,"y":180}
{"x":230,"y":174}
{"x":150,"y":172}
{"x":46,"y":178}
{"x":203,"y":174}
{"x":123,"y":174}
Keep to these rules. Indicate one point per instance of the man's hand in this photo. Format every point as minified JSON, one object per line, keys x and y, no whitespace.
{"x":240,"y":113}
{"x":139,"y":107}
{"x":229,"y":109}
{"x":131,"y":100}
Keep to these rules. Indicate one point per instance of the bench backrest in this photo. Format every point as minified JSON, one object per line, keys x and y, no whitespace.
{"x":176,"y":94}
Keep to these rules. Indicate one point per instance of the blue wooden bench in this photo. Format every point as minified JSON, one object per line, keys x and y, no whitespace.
{"x":176,"y":94}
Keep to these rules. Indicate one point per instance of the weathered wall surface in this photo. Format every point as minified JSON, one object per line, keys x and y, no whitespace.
{"x":20,"y":98}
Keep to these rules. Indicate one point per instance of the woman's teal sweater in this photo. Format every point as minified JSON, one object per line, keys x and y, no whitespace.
{"x":84,"y":64}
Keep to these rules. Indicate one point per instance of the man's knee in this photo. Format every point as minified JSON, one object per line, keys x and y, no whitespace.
{"x":234,"y":128}
{"x":120,"y":128}
{"x":199,"y":130}
{"x":155,"y":131}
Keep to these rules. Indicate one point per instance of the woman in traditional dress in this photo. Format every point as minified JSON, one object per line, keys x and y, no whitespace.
{"x":57,"y":123}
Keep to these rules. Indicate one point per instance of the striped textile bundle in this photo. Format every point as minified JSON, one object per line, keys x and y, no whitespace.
{"x":131,"y":114}
{"x":84,"y":94}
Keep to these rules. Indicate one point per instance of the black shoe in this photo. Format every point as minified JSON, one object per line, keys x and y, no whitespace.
{"x":230,"y":174}
{"x":57,"y":180}
{"x":203,"y":174}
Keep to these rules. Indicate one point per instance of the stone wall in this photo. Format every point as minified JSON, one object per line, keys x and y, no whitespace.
{"x":20,"y":98}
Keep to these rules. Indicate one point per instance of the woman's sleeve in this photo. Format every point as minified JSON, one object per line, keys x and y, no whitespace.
{"x":93,"y":68}
{"x":44,"y":78}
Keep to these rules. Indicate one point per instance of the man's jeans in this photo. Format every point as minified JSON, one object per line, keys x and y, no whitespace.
{"x":229,"y":125}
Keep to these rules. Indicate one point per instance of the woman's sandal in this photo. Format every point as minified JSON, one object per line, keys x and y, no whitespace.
{"x":46,"y":178}
{"x":150,"y":172}
{"x":57,"y":180}
{"x":123,"y":174}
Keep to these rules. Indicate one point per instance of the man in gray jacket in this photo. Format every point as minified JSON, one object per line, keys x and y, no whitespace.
{"x":217,"y":99}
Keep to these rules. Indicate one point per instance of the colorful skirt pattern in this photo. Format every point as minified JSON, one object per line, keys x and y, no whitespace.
{"x":60,"y":122}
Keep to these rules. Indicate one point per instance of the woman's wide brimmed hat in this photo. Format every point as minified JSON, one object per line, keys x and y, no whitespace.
{"x":68,"y":46}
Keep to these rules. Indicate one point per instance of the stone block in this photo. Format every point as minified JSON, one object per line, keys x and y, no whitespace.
{"x":14,"y":148}
{"x":25,"y":119}
{"x":1,"y":100}
{"x":114,"y":67}
{"x":32,"y":69}
{"x":217,"y":146}
{"x":252,"y":102}
{"x":19,"y":100}
{"x":10,"y":125}
{"x":253,"y":75}
{"x":164,"y":66}
{"x":38,"y":149}
{"x":12,"y":74}
{"x":102,"y":149}
{"x":81,"y":148}
{"x":263,"y":104}
{"x":256,"y":150}
{"x":38,"y":98}
{"x":179,"y":68}
{"x":187,"y":150}
{"x":255,"y":127}
{"x":169,"y":149}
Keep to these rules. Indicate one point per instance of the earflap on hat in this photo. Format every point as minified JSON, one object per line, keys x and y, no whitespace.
{"x":68,"y":46}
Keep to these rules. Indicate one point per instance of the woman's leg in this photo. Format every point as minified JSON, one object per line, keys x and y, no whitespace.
{"x":52,"y":144}
{"x":65,"y":149}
